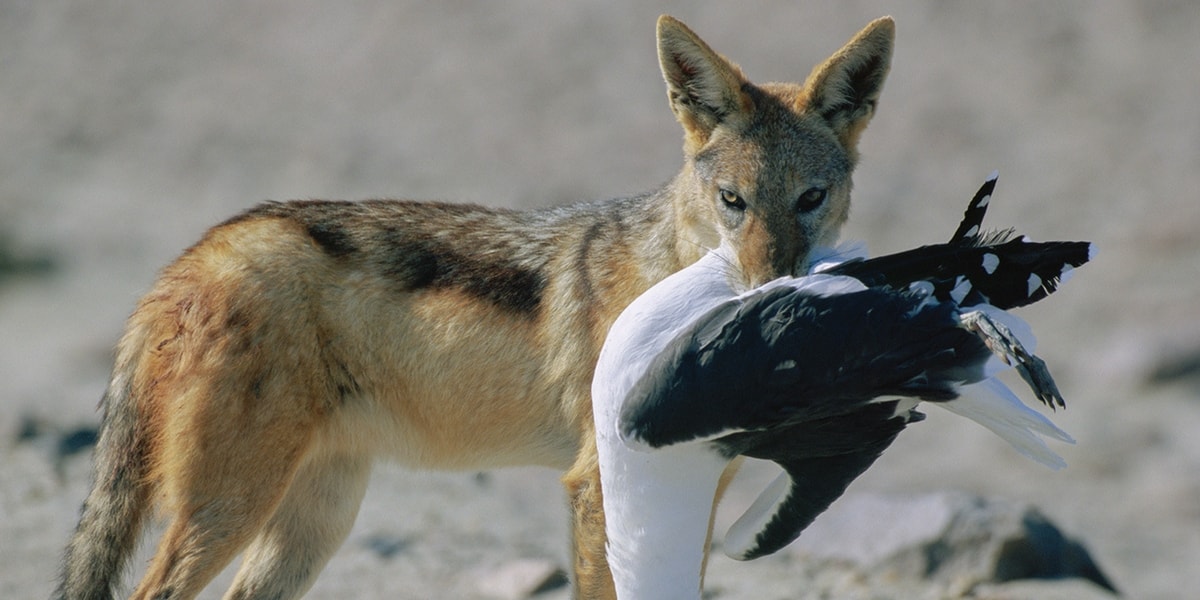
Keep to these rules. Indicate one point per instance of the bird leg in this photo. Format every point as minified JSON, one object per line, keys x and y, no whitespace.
{"x":1001,"y":341}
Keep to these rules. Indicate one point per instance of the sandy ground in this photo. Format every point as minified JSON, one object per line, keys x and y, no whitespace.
{"x":128,"y":128}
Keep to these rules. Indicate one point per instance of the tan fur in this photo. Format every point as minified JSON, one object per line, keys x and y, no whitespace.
{"x":295,"y":343}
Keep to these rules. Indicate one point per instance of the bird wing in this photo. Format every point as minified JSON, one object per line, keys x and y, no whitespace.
{"x":1006,"y":274}
{"x":788,"y":356}
{"x":811,"y":481}
{"x":976,"y":267}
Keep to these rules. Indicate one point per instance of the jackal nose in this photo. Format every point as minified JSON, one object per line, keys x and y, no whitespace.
{"x":795,"y":264}
{"x":774,"y":270}
{"x":800,"y":266}
{"x":773,"y":257}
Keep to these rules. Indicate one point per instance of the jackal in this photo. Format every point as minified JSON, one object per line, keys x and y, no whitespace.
{"x":298,"y":342}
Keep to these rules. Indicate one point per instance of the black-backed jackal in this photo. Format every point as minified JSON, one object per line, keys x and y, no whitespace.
{"x":298,"y":342}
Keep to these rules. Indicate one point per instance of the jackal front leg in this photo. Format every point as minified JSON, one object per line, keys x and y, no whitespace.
{"x":592,"y":578}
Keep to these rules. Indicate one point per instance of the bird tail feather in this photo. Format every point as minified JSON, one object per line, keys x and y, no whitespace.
{"x":991,"y":404}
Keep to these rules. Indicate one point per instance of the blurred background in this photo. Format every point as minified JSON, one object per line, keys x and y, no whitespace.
{"x":127,"y":128}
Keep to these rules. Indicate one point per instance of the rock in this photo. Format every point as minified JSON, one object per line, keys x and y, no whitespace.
{"x":957,"y":539}
{"x":1179,"y":366}
{"x":385,"y":545}
{"x":16,"y":262}
{"x":1042,"y":589}
{"x":59,"y":443}
{"x":76,"y":440}
{"x":28,"y":428}
{"x":522,"y":578}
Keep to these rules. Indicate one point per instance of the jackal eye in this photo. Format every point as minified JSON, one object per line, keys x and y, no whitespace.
{"x":811,"y":199}
{"x":732,"y":200}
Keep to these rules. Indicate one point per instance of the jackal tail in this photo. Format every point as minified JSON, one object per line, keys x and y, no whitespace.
{"x":114,"y":511}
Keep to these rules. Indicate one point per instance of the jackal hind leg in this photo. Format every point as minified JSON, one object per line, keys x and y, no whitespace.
{"x":308,"y":527}
{"x":218,"y":500}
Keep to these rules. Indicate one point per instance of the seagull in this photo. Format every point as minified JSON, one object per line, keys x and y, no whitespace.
{"x":817,"y":374}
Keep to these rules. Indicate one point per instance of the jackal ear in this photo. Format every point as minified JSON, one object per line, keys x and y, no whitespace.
{"x":704,"y":88}
{"x":845,"y":89}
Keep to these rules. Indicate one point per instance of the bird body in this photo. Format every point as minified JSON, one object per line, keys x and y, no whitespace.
{"x":817,"y":373}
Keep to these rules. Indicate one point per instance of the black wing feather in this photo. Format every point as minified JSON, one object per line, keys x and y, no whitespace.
{"x":998,"y":274}
{"x":785,"y":357}
{"x":821,"y":458}
{"x":971,"y":225}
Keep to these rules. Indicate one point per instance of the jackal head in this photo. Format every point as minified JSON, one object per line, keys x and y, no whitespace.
{"x":767,"y":169}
